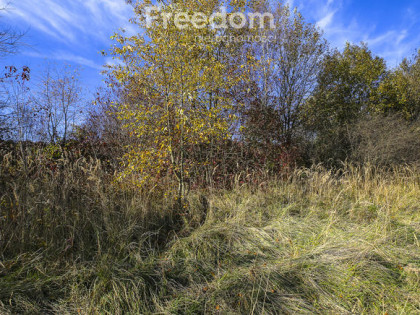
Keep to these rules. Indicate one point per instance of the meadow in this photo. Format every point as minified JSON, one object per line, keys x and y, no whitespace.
{"x":75,"y":241}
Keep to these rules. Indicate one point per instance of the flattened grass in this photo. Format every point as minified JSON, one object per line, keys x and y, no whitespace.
{"x":316,"y":243}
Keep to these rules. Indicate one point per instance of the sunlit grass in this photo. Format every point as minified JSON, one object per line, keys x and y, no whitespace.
{"x":319,"y":242}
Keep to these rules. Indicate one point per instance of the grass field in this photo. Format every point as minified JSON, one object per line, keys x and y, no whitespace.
{"x":75,"y":242}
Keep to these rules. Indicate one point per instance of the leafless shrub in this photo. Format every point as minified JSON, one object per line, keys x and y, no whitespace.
{"x":387,"y":140}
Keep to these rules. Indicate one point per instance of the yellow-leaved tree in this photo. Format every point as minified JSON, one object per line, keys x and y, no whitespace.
{"x":178,"y":81}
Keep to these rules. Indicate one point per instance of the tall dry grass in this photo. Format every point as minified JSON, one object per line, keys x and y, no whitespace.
{"x":73,"y":240}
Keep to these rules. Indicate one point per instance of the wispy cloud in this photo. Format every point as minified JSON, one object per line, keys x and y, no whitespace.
{"x":72,"y":21}
{"x":340,"y":24}
{"x":326,"y":20}
{"x":67,"y":57}
{"x":64,"y":56}
{"x":113,"y":62}
{"x":290,"y":3}
{"x":72,"y":31}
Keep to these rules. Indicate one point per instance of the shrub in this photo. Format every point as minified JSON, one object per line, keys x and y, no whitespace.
{"x":385,"y":141}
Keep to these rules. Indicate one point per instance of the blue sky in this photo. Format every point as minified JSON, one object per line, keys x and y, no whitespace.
{"x":390,"y":27}
{"x":75,"y":31}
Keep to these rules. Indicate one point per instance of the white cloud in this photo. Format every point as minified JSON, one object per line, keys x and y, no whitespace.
{"x":335,"y":18}
{"x":69,"y":20}
{"x":326,"y":20}
{"x":109,"y":61}
{"x":66,"y":56}
{"x":76,"y":59}
{"x":69,"y":30}
{"x":290,"y":3}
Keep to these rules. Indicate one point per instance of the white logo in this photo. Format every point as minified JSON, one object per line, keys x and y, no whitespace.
{"x":199,"y":20}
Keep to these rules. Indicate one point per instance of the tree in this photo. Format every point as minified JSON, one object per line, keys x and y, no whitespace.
{"x":344,"y":89}
{"x":17,"y":110}
{"x":178,"y":84}
{"x":9,"y":39}
{"x":288,"y":66}
{"x":399,"y":92}
{"x":9,"y":43}
{"x":101,"y":130}
{"x":58,"y":103}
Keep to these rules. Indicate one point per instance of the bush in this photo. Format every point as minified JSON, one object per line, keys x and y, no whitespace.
{"x":385,"y":141}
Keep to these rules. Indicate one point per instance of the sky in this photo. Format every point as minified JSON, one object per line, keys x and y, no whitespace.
{"x":76,"y":31}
